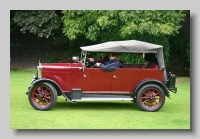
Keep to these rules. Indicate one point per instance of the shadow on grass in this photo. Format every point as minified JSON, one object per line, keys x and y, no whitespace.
{"x":81,"y":105}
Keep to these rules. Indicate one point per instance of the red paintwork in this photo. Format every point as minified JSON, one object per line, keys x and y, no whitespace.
{"x":61,"y":73}
{"x":125,"y":79}
{"x":76,"y":75}
{"x":95,"y":80}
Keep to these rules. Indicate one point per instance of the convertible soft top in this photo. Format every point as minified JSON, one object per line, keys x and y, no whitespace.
{"x":128,"y":46}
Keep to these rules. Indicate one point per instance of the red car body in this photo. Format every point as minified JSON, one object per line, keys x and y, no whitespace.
{"x":95,"y":80}
{"x":145,"y":84}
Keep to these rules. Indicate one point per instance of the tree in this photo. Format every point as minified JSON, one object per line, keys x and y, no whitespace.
{"x":153,"y":26}
{"x":102,"y":24}
{"x":38,"y":22}
{"x":180,"y":48}
{"x":74,"y":28}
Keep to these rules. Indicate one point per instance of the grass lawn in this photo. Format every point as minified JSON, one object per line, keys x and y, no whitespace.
{"x":175,"y":114}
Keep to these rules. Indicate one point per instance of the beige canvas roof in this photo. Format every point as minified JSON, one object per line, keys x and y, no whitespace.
{"x":128,"y":46}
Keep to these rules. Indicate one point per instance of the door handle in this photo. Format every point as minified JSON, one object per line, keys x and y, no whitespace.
{"x":114,"y":76}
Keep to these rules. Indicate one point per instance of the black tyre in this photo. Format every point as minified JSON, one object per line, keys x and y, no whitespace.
{"x":150,"y":98}
{"x":42,"y":96}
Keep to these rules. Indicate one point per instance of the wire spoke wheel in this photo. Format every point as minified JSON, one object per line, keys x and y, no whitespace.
{"x":43,"y":96}
{"x":150,"y":98}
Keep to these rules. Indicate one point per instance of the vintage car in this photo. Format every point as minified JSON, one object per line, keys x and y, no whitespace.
{"x":146,"y":84}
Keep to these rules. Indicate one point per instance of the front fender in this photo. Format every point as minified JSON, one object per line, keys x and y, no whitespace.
{"x":58,"y":88}
{"x":151,"y":81}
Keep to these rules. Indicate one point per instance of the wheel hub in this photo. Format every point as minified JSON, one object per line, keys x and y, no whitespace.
{"x":151,"y":97}
{"x":42,"y":95}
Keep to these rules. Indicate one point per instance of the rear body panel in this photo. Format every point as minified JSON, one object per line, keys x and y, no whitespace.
{"x":120,"y":81}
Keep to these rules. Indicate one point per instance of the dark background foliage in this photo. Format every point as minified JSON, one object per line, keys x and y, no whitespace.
{"x":55,"y":36}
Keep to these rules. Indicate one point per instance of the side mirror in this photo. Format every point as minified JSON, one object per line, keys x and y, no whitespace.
{"x":75,"y":58}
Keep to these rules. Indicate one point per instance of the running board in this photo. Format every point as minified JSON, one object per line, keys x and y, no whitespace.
{"x":103,"y":97}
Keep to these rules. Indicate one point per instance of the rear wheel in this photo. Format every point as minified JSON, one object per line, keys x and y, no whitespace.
{"x":150,"y":98}
{"x":42,"y":96}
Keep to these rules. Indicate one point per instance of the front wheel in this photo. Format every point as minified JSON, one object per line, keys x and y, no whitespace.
{"x":150,"y":98}
{"x":42,"y":96}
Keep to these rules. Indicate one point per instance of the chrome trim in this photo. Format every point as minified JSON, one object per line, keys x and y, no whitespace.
{"x":104,"y":97}
{"x":84,"y":60}
{"x":39,"y":71}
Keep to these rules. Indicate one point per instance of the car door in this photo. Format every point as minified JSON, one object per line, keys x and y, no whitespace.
{"x":123,"y":80}
{"x":96,"y":81}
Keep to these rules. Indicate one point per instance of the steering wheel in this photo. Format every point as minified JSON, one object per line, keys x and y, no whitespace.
{"x":88,"y":63}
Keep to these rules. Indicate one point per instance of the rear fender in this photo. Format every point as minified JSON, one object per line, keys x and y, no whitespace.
{"x":141,"y":84}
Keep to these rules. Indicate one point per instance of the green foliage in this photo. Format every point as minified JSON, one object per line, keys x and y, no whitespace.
{"x":38,"y":22}
{"x":132,"y":58}
{"x":154,"y":26}
{"x":169,"y":28}
{"x":61,"y":41}
{"x":120,"y":24}
{"x":127,"y":58}
{"x":187,"y":52}
{"x":180,"y":47}
{"x":56,"y":56}
{"x":62,"y":55}
{"x":187,"y":56}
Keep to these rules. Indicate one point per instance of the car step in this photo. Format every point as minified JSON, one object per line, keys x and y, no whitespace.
{"x":103,"y":97}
